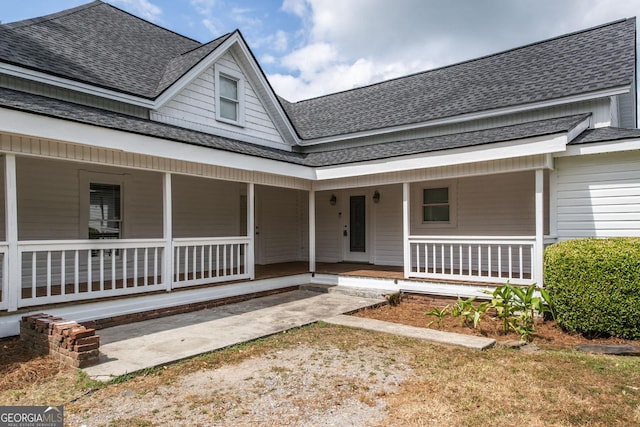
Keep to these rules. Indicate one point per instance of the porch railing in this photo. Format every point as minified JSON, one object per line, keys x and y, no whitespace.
{"x":479,"y":259}
{"x":55,"y":271}
{"x":199,"y":261}
{"x":4,"y":278}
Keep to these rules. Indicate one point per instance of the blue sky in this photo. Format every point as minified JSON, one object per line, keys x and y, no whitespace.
{"x":309,"y":48}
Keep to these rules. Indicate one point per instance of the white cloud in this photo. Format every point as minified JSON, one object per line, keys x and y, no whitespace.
{"x":142,"y":8}
{"x":345,"y":44}
{"x":297,"y":7}
{"x":203,"y":7}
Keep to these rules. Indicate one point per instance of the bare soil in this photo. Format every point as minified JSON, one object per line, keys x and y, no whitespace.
{"x":412,"y":311}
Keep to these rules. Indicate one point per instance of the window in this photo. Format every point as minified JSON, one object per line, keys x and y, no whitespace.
{"x":228,"y":99}
{"x":229,"y":89}
{"x":105,"y":211}
{"x":438,"y":206}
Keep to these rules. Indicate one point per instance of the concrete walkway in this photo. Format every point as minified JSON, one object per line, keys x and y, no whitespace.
{"x":137,"y":346}
{"x":440,"y":337}
{"x":133,"y":347}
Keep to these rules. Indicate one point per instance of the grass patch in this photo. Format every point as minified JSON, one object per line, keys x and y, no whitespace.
{"x":447,"y":385}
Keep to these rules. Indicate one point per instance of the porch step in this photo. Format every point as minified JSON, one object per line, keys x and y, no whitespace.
{"x":347,"y":290}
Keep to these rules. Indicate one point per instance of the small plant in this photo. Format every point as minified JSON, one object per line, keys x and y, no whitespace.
{"x":393,"y":299}
{"x":469,"y":313}
{"x":439,"y":313}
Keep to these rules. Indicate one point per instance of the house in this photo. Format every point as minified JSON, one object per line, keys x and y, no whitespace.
{"x":140,"y":164}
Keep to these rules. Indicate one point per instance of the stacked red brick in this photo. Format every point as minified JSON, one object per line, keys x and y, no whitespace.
{"x":68,"y":341}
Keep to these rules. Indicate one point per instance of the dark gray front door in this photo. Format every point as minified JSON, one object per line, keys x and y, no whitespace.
{"x":357,"y":226}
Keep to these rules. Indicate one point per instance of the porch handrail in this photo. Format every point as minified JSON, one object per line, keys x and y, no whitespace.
{"x":205,"y":260}
{"x":86,"y":244}
{"x":4,"y":284}
{"x":478,"y":258}
{"x":68,"y":270}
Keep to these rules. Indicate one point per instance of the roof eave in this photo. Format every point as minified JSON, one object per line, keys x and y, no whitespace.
{"x":53,"y":80}
{"x":619,"y":90}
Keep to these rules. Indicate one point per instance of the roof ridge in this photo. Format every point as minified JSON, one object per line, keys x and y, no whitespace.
{"x":40,"y":19}
{"x":444,"y":67}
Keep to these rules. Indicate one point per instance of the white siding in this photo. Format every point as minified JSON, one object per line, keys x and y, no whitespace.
{"x":3,"y":234}
{"x":328,"y":232}
{"x":194,"y":107}
{"x":205,"y":207}
{"x":49,"y":200}
{"x":598,"y":195}
{"x":282,"y":224}
{"x":388,"y":226}
{"x":492,"y":205}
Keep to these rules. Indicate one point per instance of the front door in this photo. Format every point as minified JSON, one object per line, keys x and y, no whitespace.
{"x":355,"y":231}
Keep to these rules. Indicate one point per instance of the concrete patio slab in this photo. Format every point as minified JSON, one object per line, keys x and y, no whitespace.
{"x":468,"y":341}
{"x":137,"y":346}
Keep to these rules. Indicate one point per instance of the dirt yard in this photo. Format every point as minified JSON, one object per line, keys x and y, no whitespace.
{"x":328,"y":375}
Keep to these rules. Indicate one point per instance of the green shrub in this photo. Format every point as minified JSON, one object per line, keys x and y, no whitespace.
{"x":594,"y":285}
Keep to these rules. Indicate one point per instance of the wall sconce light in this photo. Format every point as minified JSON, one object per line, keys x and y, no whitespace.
{"x":333,"y":200}
{"x":376,"y":196}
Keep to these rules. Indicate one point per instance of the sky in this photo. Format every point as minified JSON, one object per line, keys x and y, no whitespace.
{"x":309,"y":48}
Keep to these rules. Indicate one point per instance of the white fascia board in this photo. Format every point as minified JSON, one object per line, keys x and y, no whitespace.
{"x":37,"y":126}
{"x":194,"y":72}
{"x":472,"y":116}
{"x":74,"y":85}
{"x":486,"y":152}
{"x":257,"y":73}
{"x":600,"y":148}
{"x":213,"y":57}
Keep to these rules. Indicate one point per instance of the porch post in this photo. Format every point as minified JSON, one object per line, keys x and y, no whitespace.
{"x":312,"y":231}
{"x":406,"y":217}
{"x":539,"y":251}
{"x":167,"y":233}
{"x":13,"y":278}
{"x":251,"y":232}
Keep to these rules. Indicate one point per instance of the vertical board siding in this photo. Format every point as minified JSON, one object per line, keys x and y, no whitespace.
{"x":492,"y":205}
{"x":194,"y":107}
{"x":49,"y":200}
{"x":282,"y":225}
{"x":205,"y":207}
{"x":3,"y":234}
{"x":598,"y":195}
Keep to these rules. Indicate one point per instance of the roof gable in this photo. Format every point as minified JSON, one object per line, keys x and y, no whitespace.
{"x":575,"y":64}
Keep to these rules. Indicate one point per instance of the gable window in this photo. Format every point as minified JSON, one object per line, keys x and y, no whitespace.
{"x":438,"y":205}
{"x":105,"y":211}
{"x":229,"y":89}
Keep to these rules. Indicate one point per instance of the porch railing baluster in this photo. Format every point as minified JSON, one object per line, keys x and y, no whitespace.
{"x":475,"y":254}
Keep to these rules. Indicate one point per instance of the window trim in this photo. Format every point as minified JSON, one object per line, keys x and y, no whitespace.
{"x":228,"y":73}
{"x":86,"y":178}
{"x":453,"y":211}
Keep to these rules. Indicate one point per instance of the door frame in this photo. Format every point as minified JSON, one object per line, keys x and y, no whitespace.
{"x":347,"y":255}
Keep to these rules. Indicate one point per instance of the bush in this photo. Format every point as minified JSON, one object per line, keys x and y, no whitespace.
{"x":595,"y":286}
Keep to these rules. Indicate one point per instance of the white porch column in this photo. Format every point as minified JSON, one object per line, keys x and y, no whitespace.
{"x":167,"y":232}
{"x":406,"y":218}
{"x":251,"y":225}
{"x":539,"y":250}
{"x":13,"y":278}
{"x":312,"y":231}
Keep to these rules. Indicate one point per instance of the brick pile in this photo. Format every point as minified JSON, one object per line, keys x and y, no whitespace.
{"x":71,"y":343}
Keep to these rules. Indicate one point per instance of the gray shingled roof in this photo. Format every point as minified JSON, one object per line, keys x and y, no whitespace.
{"x":93,"y":116}
{"x":605,"y":134}
{"x":104,"y":46}
{"x":578,"y":63}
